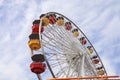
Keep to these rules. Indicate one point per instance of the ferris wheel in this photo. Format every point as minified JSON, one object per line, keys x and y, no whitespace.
{"x":58,"y":44}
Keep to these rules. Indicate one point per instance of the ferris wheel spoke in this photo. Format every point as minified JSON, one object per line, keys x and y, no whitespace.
{"x":53,"y":47}
{"x":57,"y":42}
{"x":55,"y":64}
{"x":77,"y":68}
{"x":69,"y":69}
{"x":52,"y":58}
{"x":74,"y":64}
{"x":61,"y":72}
{"x":53,"y":51}
{"x":61,"y":69}
{"x":63,"y":46}
{"x":90,"y":67}
{"x":66,"y":35}
{"x":60,"y":33}
{"x":51,"y":55}
{"x":72,"y":73}
{"x":56,"y":37}
{"x":53,"y":31}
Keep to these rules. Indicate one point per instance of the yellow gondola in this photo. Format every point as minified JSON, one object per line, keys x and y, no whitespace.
{"x":45,"y":21}
{"x":34,"y":44}
{"x":60,"y":21}
{"x":90,"y":50}
{"x":75,"y":32}
{"x":101,"y":72}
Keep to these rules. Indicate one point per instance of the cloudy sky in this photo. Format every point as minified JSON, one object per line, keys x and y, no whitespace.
{"x":98,"y":19}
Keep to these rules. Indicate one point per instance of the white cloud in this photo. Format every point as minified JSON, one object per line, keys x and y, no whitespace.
{"x":99,"y":20}
{"x":5,"y":38}
{"x":109,"y":67}
{"x":113,"y":28}
{"x":1,"y":2}
{"x":12,"y":72}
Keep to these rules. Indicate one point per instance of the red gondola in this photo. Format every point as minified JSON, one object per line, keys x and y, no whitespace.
{"x":83,"y":40}
{"x":95,"y":61}
{"x":37,"y":67}
{"x":52,"y":18}
{"x":68,"y":26}
{"x":35,"y":28}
